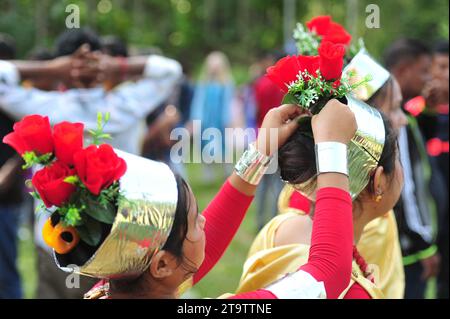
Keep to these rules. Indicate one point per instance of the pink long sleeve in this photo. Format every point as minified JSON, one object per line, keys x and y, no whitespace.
{"x":356,"y":291}
{"x":257,"y":294}
{"x":223,"y":216}
{"x":330,"y":256}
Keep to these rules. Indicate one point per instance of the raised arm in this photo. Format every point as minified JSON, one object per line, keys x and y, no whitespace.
{"x":328,"y":270}
{"x":126,"y":104}
{"x":226,"y":211}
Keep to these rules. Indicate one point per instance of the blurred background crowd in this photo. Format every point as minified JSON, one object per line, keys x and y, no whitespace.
{"x":224,"y":48}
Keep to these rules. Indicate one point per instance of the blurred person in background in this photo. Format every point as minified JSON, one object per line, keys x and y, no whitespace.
{"x":128,"y":104}
{"x":113,"y":46}
{"x":172,"y":113}
{"x":416,"y":212}
{"x":43,"y":83}
{"x":211,"y":105}
{"x":267,"y":96}
{"x":433,"y":121}
{"x":11,"y":194}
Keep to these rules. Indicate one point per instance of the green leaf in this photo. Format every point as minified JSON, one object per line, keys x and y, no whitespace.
{"x":289,"y":99}
{"x":72,"y":217}
{"x":90,"y":232}
{"x":99,"y":120}
{"x":104,"y":212}
{"x":35,"y":195}
{"x":104,"y":136}
{"x":71,"y":179}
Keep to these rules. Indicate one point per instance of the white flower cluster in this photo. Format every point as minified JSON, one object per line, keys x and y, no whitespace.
{"x":306,"y":41}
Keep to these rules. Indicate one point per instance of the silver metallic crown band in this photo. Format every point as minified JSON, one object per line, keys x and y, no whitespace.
{"x":252,"y":165}
{"x":331,"y":157}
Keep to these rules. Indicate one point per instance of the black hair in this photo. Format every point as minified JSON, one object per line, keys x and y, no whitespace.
{"x":297,"y":160}
{"x":40,"y":54}
{"x":385,"y":93}
{"x":441,"y":47}
{"x":114,"y":46}
{"x":404,"y":50}
{"x":174,"y":243}
{"x":7,"y":47}
{"x":387,"y":160}
{"x":69,"y":41}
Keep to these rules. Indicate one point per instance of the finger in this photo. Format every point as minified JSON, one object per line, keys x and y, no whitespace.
{"x":82,"y":50}
{"x":289,"y":111}
{"x":292,"y":124}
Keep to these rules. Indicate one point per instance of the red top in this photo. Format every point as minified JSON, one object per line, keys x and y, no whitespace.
{"x":267,"y":96}
{"x":300,"y":202}
{"x":330,"y":256}
{"x":223,"y":216}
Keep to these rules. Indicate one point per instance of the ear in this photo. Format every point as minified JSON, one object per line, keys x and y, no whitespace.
{"x":379,"y":181}
{"x":163,"y":264}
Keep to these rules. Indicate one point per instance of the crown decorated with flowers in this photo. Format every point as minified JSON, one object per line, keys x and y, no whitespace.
{"x":79,"y":184}
{"x":310,"y":81}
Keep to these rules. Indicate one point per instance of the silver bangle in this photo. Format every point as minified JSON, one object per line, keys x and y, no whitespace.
{"x":252,"y":165}
{"x":331,"y":157}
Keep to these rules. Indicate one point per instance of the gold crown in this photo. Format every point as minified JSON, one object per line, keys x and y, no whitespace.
{"x":144,"y":219}
{"x":364,"y":150}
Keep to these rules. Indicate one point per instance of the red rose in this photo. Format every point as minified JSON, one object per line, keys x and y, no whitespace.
{"x":49,"y":183}
{"x":309,"y":63}
{"x":337,"y":34}
{"x":336,"y":84}
{"x":99,"y":167}
{"x":284,"y":72}
{"x":319,"y":25}
{"x":68,"y":139}
{"x":32,"y":133}
{"x":331,"y":60}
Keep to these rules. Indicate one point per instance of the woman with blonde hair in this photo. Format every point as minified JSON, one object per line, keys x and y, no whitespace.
{"x":211,"y":104}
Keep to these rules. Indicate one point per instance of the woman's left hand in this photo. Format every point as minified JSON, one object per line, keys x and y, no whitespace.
{"x":278,"y":125}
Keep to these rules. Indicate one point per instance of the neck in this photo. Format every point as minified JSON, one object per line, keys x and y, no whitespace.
{"x":148,"y":290}
{"x":358,"y":225}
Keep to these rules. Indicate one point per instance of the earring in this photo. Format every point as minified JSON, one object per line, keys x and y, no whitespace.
{"x":379,"y":197}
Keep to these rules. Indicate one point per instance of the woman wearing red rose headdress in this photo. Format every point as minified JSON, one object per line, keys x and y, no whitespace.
{"x":158,"y":239}
{"x":284,"y":242}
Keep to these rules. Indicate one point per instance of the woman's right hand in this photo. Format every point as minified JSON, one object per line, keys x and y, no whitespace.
{"x":335,"y":123}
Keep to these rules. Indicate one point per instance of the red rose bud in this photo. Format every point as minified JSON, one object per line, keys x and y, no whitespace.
{"x":331,"y":60}
{"x":319,"y":25}
{"x":337,"y":34}
{"x":32,"y":133}
{"x":336,"y":84}
{"x":284,"y":72}
{"x":309,"y":63}
{"x":99,"y":167}
{"x":68,"y":139}
{"x":49,"y":183}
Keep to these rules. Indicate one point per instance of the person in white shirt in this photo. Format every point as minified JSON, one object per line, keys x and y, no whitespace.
{"x":128,"y":103}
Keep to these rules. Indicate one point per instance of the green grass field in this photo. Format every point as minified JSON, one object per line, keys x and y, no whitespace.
{"x":223,"y":278}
